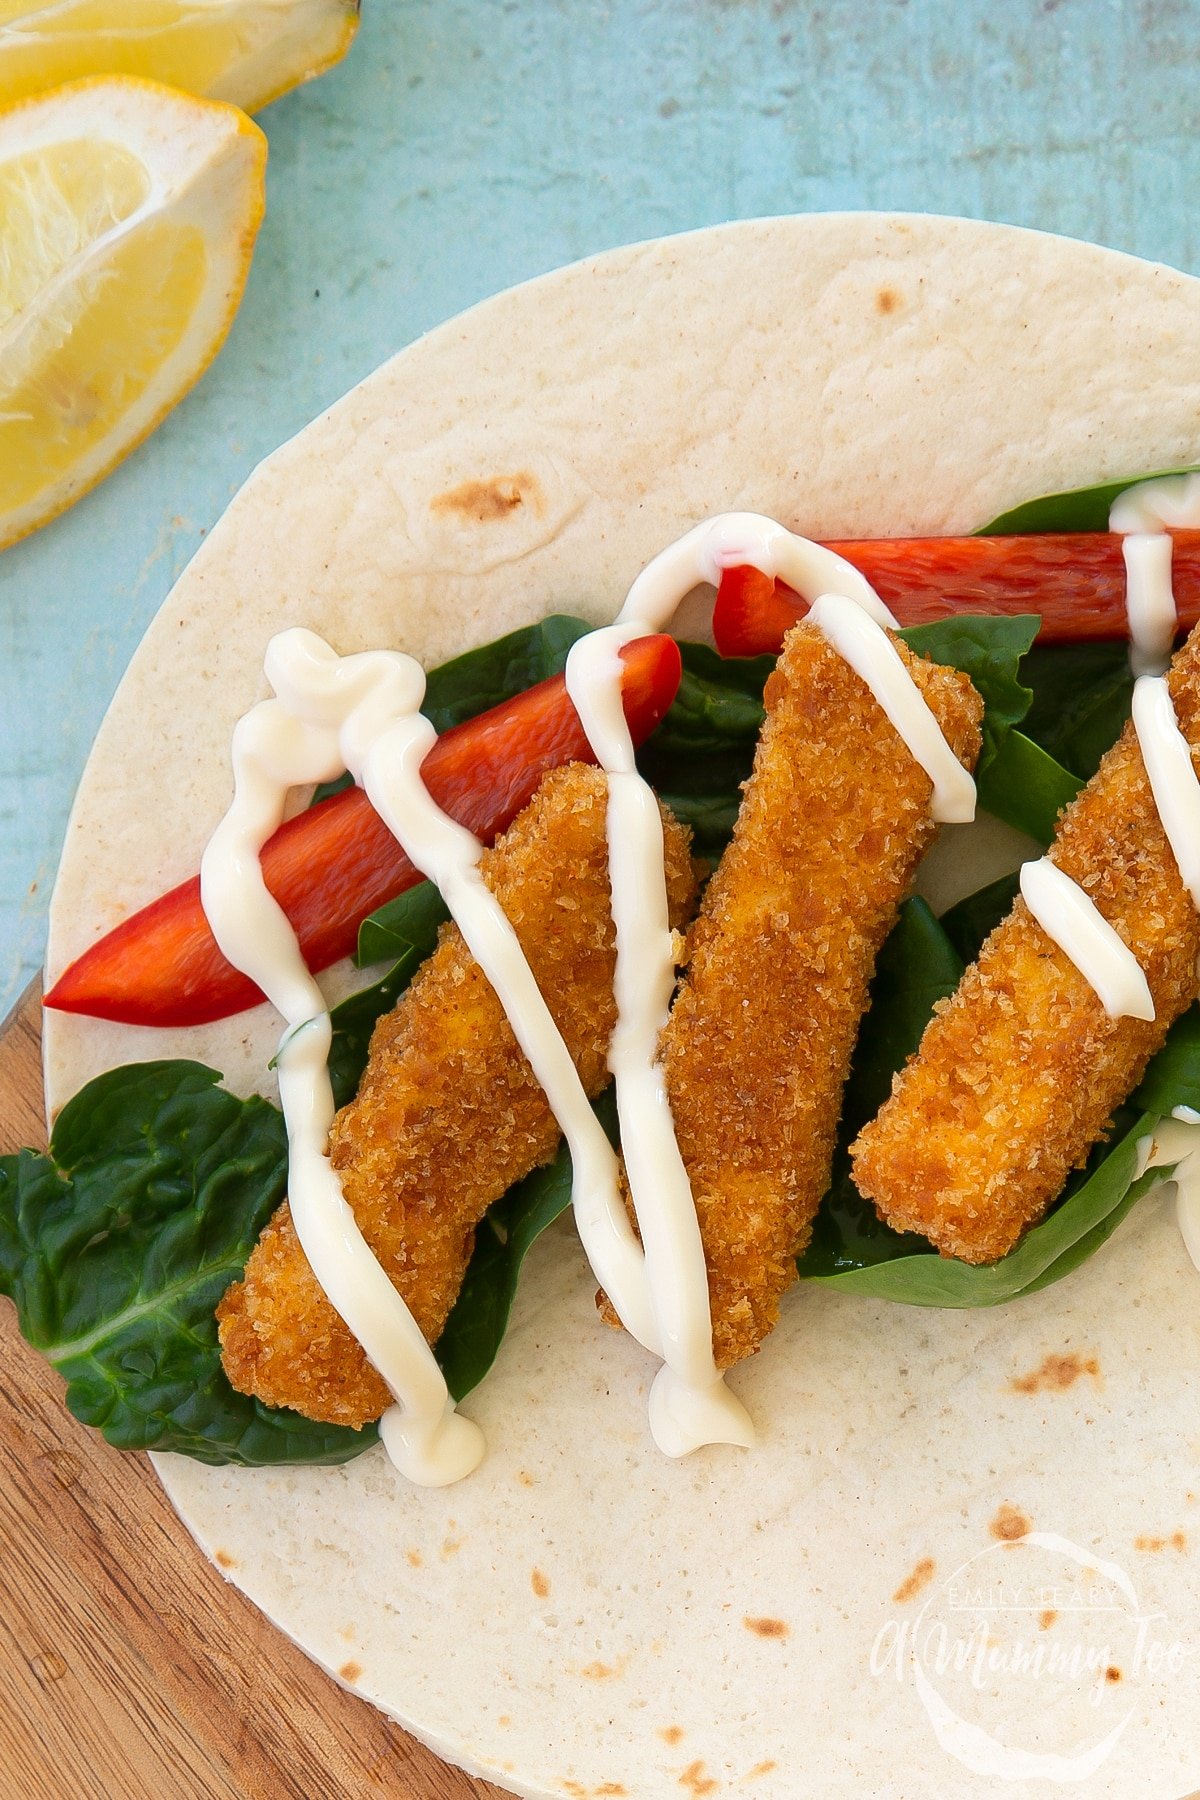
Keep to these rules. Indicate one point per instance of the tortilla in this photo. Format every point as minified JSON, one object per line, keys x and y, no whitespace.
{"x":583,"y":1617}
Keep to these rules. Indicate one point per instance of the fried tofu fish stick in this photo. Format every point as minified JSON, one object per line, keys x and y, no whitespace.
{"x":449,"y":1113}
{"x":833,"y":821}
{"x":1019,"y":1072}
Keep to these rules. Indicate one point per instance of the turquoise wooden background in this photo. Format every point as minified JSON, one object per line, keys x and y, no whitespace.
{"x":463,"y":147}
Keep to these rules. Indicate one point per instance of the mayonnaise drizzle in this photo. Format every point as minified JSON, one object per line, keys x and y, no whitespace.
{"x":1178,"y":1141}
{"x":1073,"y":921}
{"x":1143,"y":515}
{"x":327,"y":715}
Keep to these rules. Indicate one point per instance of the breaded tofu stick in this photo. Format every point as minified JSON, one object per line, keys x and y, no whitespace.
{"x":448,"y":1115}
{"x":1020,"y":1070}
{"x":833,"y":821}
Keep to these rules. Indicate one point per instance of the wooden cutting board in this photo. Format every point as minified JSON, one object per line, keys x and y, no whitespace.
{"x":129,"y":1669}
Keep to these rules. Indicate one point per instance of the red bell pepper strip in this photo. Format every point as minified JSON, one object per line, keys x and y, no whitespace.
{"x":333,"y":865}
{"x":1075,"y":580}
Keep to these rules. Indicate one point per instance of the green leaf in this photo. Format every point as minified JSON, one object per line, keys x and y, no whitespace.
{"x":989,"y":650}
{"x":702,"y":752}
{"x":1077,"y":509}
{"x":1065,"y":1238}
{"x":478,"y":1319}
{"x":117,"y":1245}
{"x":1082,"y":695}
{"x":479,"y":679}
{"x":404,"y":932}
{"x":411,"y":921}
{"x":1026,"y":787}
{"x":916,"y":968}
{"x":1173,"y":1077}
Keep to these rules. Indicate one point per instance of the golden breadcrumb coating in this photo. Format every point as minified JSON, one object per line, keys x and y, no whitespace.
{"x":833,"y":821}
{"x":1019,"y":1072}
{"x":448,"y":1115}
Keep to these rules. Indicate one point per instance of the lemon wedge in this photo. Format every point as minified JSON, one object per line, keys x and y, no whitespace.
{"x":245,"y":51}
{"x":128,"y":214}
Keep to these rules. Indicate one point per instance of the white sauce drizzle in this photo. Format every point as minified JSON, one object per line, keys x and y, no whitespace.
{"x":1143,"y":515}
{"x":309,"y":733}
{"x":1149,"y":600}
{"x":1172,"y":775}
{"x":1072,"y":920}
{"x":1179,"y":1143}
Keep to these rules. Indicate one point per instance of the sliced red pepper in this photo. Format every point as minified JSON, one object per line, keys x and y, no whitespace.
{"x":333,"y":865}
{"x":1075,"y":580}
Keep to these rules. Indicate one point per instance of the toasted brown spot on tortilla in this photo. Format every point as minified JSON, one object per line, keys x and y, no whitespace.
{"x":1112,"y":1673}
{"x":610,"y":1787}
{"x":483,"y":502}
{"x":762,"y":1768}
{"x":414,"y":1558}
{"x":601,"y":1671}
{"x":1056,"y":1373}
{"x":696,"y":1781}
{"x":887,"y":300}
{"x":540,"y":1583}
{"x":451,"y":1547}
{"x":671,"y":1734}
{"x":767,"y":1628}
{"x":350,"y":1671}
{"x":919,"y":1576}
{"x":525,"y":1478}
{"x":1047,"y":1618}
{"x":1177,"y":1540}
{"x":1010,"y":1523}
{"x":505,"y":1719}
{"x":223,"y":1559}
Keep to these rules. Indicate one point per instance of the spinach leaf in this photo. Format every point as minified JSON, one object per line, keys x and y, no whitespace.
{"x":478,"y":1319}
{"x":471,"y":683}
{"x":916,"y":968}
{"x":1078,"y":509}
{"x":702,"y":752}
{"x":117,"y":1245}
{"x":989,"y":650}
{"x":1026,"y":787}
{"x":1018,"y":779}
{"x":1082,"y":694}
{"x":404,"y":931}
{"x":1173,"y":1077}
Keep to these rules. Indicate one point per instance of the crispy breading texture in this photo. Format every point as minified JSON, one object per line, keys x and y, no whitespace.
{"x":833,"y":822}
{"x":448,"y":1114}
{"x":1019,"y":1072}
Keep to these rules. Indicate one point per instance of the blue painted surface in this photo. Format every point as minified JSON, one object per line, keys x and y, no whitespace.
{"x":465,"y":146}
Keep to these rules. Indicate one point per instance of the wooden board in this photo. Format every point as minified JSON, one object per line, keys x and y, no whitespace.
{"x":129,"y":1669}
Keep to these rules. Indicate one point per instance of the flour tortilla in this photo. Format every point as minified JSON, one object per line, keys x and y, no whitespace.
{"x":583,"y":1617}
